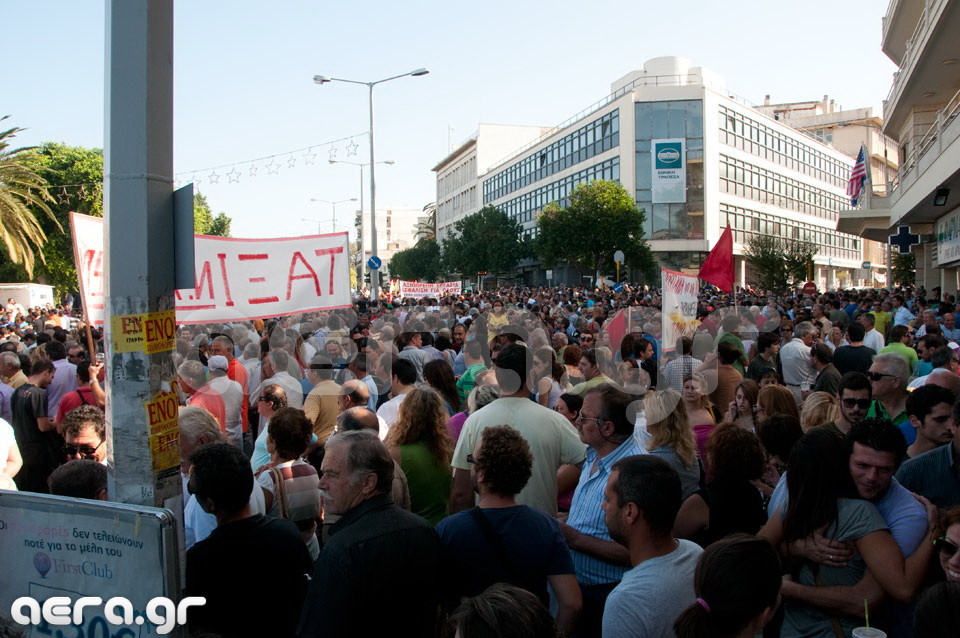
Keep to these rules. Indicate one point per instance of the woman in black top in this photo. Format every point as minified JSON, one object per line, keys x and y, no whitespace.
{"x":729,"y":502}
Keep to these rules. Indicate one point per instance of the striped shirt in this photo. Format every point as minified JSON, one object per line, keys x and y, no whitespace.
{"x":587,"y":517}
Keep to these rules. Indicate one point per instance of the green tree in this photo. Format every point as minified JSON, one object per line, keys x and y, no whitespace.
{"x":204,"y":221}
{"x":602,"y":218}
{"x":74,"y":177}
{"x":904,"y":269}
{"x":427,"y":228}
{"x":488,"y":241}
{"x":779,"y":263}
{"x":420,"y":262}
{"x":24,"y":205}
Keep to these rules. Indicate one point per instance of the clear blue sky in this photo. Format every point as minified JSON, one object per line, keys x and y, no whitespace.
{"x":243,"y":86}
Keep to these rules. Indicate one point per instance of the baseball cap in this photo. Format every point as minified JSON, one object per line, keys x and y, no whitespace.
{"x":217,"y":362}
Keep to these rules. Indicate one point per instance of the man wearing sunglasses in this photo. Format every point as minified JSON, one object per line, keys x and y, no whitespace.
{"x":889,"y":375}
{"x":855,"y":396}
{"x":84,"y":434}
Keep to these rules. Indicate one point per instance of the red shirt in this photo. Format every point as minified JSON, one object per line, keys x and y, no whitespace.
{"x":212,"y":402}
{"x":73,"y":400}
{"x":236,"y":372}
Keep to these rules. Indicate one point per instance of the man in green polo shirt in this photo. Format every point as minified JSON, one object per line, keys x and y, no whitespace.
{"x":901,"y":343}
{"x":889,"y":375}
{"x":473,"y":359}
{"x":590,"y":369}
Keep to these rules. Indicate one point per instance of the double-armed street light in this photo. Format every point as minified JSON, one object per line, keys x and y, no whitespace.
{"x":334,"y":205}
{"x":323,"y":79}
{"x":360,"y":242}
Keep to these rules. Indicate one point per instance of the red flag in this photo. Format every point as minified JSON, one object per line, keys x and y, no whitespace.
{"x":717,"y":268}
{"x":616,"y":328}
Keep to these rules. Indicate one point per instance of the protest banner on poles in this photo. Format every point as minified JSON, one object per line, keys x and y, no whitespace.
{"x":236,"y":279}
{"x":417,"y":289}
{"x":679,"y":309}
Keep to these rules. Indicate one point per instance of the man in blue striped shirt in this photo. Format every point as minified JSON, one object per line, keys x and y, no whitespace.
{"x":599,"y":561}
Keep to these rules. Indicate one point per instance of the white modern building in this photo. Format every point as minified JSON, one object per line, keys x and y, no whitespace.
{"x":458,"y":173}
{"x":717,"y":162}
{"x":920,"y":114}
{"x":847,"y":131}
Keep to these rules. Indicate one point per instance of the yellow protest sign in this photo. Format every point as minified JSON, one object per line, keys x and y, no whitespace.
{"x":164,"y":428}
{"x":151,"y":333}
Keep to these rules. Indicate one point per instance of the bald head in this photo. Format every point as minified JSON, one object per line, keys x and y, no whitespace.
{"x":354,"y":393}
{"x":358,"y":419}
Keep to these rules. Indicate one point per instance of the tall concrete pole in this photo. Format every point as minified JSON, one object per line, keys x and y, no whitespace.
{"x":139,"y":273}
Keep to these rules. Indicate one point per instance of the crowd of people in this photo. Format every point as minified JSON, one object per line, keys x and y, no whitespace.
{"x":524,"y":462}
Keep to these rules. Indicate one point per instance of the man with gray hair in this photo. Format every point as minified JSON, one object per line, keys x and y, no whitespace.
{"x":798,"y":372}
{"x":199,"y":428}
{"x":232,"y":394}
{"x":374,"y":543}
{"x":193,"y":382}
{"x":889,"y":375}
{"x":10,"y":372}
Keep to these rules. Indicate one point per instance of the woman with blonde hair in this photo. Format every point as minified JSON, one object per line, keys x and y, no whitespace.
{"x":701,"y":414}
{"x":819,"y":408}
{"x":671,"y":438}
{"x":420,"y":442}
{"x":773,"y":400}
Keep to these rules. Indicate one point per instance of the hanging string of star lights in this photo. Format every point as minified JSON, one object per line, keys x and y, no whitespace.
{"x":272,"y":163}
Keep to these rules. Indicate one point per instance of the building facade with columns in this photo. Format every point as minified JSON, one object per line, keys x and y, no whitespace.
{"x":738,"y":166}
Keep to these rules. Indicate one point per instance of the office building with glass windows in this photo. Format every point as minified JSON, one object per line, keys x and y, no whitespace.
{"x":696,"y":159}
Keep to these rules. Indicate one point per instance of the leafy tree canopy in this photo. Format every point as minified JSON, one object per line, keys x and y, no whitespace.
{"x":485,"y":241}
{"x":602,"y":218}
{"x":204,"y":221}
{"x":421,"y":262}
{"x":779,"y":263}
{"x":904,"y":269}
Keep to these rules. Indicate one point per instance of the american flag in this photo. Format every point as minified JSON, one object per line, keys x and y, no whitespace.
{"x":857,"y":178}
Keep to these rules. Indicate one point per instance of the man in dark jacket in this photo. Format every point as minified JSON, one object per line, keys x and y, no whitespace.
{"x":380,"y":568}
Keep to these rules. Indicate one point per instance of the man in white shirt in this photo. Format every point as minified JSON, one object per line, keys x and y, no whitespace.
{"x":232,"y":394}
{"x":403,"y":379}
{"x":873,"y":338}
{"x":798,"y":372}
{"x":275,"y":371}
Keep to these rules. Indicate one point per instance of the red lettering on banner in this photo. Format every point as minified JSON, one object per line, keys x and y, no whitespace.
{"x":252,"y":257}
{"x":205,"y":276}
{"x":223,"y":271}
{"x":333,"y":252}
{"x":312,"y":274}
{"x":160,"y":329}
{"x":93,"y":272}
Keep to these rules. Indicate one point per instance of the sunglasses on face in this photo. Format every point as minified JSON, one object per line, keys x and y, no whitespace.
{"x":878,"y":376}
{"x":85,"y":451}
{"x":863,"y":404}
{"x":947,"y":548}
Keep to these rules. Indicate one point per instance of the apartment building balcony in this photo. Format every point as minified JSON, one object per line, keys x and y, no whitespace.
{"x":929,"y":66}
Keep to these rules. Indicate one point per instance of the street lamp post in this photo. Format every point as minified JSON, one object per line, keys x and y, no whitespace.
{"x":334,"y":205}
{"x":363,"y":261}
{"x":323,"y":79}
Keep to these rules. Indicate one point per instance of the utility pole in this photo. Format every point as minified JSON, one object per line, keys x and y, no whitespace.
{"x":142,"y":431}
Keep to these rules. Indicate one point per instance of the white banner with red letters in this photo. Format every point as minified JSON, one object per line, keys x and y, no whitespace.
{"x":417,"y":289}
{"x":236,"y":279}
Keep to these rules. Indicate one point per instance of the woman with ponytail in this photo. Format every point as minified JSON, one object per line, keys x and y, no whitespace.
{"x":737,"y":583}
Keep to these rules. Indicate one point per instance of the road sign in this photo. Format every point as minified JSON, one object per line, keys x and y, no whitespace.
{"x":809,"y":288}
{"x":618,"y":257}
{"x":549,"y":274}
{"x":866,"y":265}
{"x":904,"y":241}
{"x":617,"y":288}
{"x":374,"y":263}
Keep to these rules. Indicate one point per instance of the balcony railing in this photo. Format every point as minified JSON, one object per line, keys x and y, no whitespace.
{"x":915,"y":44}
{"x":928,"y":140}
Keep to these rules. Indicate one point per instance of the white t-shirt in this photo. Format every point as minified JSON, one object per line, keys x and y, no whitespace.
{"x":7,"y":439}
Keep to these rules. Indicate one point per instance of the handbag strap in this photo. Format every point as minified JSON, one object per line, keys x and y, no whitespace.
{"x":493,"y":539}
{"x":280,"y":492}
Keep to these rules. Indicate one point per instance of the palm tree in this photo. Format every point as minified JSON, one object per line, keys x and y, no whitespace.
{"x":20,"y":189}
{"x":427,"y":227}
